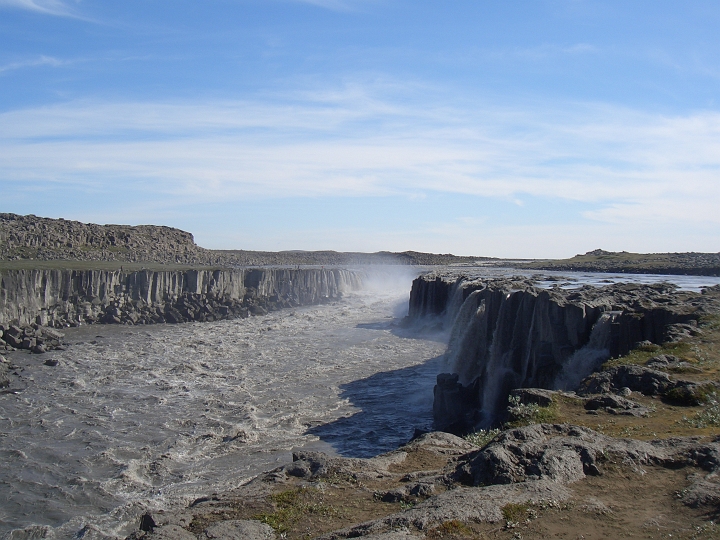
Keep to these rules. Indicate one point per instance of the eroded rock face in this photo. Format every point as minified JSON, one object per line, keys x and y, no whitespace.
{"x":68,"y":297}
{"x":507,"y":334}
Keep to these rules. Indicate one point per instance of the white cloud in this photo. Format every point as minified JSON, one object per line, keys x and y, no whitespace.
{"x":49,"y":7}
{"x":40,"y":61}
{"x":336,"y":5}
{"x":632,"y":167}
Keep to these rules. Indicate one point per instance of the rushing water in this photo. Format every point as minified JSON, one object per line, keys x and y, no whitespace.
{"x":136,"y":418}
{"x":145,"y":417}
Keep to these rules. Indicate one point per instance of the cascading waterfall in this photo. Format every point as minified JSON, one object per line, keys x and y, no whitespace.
{"x":505,"y":338}
{"x":455,"y":303}
{"x":588,"y":358}
{"x":463,"y":335}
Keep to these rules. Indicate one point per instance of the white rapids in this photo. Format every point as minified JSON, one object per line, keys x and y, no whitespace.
{"x":136,"y":418}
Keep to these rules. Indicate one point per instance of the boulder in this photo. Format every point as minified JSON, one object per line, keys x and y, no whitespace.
{"x":650,"y":382}
{"x":662,"y":360}
{"x":13,"y":341}
{"x":615,"y":404}
{"x":308,"y":465}
{"x":537,"y":396}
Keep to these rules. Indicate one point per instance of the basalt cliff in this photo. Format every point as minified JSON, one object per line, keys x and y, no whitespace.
{"x":507,"y":334}
{"x":37,"y":299}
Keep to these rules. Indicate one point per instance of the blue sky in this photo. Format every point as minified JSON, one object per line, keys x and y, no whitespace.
{"x":538,"y":128}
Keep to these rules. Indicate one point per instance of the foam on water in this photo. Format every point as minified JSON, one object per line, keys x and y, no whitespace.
{"x":148,"y":417}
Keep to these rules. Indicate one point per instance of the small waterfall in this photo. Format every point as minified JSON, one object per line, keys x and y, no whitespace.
{"x":455,"y":303}
{"x":586,"y":359}
{"x":499,"y":374}
{"x":464,"y":338}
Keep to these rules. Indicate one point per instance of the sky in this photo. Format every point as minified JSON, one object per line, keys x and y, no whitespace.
{"x":514,"y":128}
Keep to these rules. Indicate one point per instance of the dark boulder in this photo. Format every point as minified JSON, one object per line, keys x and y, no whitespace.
{"x":615,"y":404}
{"x":637,"y":378}
{"x":536,"y":396}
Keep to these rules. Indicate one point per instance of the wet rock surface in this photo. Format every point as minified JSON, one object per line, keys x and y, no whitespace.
{"x":35,"y":338}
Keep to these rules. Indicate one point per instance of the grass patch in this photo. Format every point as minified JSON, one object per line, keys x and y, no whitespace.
{"x":644,"y":353}
{"x":692,"y":396}
{"x":291,"y":506}
{"x":481,"y":437}
{"x":451,"y":529}
{"x":709,"y":416}
{"x":525,"y":414}
{"x":515,"y":513}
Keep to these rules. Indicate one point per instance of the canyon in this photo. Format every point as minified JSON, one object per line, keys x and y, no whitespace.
{"x":490,"y":401}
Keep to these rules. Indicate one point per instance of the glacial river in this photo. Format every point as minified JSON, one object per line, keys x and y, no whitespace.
{"x":141,"y":418}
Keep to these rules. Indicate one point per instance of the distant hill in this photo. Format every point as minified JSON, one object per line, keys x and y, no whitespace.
{"x":702,"y":264}
{"x":25,"y":238}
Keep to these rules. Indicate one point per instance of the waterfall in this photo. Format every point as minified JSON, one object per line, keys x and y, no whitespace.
{"x":461,"y":354}
{"x":455,"y":303}
{"x":589,"y":357}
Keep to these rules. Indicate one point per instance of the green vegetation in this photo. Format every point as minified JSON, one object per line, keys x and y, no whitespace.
{"x":293,"y":505}
{"x":452,"y":528}
{"x":524,"y":414}
{"x":644,"y":353}
{"x":709,"y":416}
{"x":515,"y":513}
{"x":691,"y":396}
{"x":481,"y":437}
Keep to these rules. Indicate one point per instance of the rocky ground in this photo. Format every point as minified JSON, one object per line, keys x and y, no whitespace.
{"x":701,"y":264}
{"x":32,"y":238}
{"x":623,"y":457}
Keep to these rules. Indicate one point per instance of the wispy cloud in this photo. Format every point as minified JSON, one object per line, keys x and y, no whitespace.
{"x":35,"y":62}
{"x":48,"y":7}
{"x":337,"y":5}
{"x":633,"y":167}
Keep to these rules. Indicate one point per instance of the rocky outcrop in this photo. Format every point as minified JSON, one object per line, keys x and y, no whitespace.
{"x":33,"y":337}
{"x":69,"y":297}
{"x":508,"y":334}
{"x":565,"y":454}
{"x":44,"y":239}
{"x":699,"y":264}
{"x":23,"y":237}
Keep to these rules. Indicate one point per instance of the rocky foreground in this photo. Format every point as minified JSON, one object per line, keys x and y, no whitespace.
{"x":529,"y":482}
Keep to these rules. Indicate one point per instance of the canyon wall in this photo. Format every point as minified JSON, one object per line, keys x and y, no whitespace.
{"x":508,"y":334}
{"x":68,"y":297}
